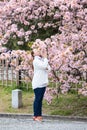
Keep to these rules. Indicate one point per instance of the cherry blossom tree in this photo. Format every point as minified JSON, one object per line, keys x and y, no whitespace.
{"x":58,"y":27}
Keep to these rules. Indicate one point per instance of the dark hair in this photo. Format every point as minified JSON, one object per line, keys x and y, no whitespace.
{"x":32,"y":53}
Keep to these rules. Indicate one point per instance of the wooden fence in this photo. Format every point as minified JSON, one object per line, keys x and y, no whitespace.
{"x":9,"y":76}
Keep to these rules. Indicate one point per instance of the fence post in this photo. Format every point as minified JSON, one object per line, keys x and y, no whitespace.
{"x":2,"y":73}
{"x":18,"y":74}
{"x":6,"y":66}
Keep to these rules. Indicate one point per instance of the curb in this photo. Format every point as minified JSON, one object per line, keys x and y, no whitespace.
{"x":47,"y":117}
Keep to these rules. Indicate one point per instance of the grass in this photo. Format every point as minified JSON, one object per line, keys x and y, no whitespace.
{"x":71,"y":105}
{"x":65,"y":105}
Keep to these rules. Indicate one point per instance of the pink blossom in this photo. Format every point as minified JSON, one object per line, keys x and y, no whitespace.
{"x":20,"y":43}
{"x":66,"y":47}
{"x":40,"y":25}
{"x":32,"y":27}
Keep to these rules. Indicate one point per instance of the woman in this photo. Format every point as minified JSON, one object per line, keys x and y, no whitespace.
{"x":40,"y":81}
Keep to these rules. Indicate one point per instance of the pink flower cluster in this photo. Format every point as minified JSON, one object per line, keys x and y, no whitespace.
{"x":66,"y":48}
{"x":50,"y":92}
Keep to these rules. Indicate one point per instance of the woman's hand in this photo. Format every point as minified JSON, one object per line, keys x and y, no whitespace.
{"x":44,"y":55}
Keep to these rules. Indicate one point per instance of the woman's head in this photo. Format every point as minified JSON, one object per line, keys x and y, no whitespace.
{"x":36,"y":52}
{"x":39,"y":52}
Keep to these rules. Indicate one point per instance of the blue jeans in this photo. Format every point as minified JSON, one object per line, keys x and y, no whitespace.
{"x":37,"y":106}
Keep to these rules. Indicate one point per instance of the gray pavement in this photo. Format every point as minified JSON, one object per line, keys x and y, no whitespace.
{"x":14,"y":123}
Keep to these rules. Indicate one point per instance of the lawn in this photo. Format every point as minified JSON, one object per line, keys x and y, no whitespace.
{"x":65,"y":105}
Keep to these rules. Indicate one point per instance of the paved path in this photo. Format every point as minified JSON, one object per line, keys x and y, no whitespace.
{"x":28,"y":124}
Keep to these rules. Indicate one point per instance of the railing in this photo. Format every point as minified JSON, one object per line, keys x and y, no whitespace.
{"x":9,"y":76}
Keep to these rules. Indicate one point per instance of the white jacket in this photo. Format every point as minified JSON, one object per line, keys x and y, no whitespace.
{"x":41,"y":68}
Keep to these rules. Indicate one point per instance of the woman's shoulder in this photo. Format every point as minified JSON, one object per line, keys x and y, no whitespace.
{"x":37,"y":58}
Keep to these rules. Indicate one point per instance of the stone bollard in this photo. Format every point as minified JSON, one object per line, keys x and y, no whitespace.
{"x":16,"y":98}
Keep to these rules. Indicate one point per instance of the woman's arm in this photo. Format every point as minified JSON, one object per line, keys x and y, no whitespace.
{"x":41,"y":63}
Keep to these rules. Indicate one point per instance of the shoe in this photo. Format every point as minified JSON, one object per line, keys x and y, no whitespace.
{"x":38,"y":118}
{"x":34,"y":117}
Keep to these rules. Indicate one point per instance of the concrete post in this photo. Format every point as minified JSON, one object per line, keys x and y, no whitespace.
{"x":16,"y":98}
